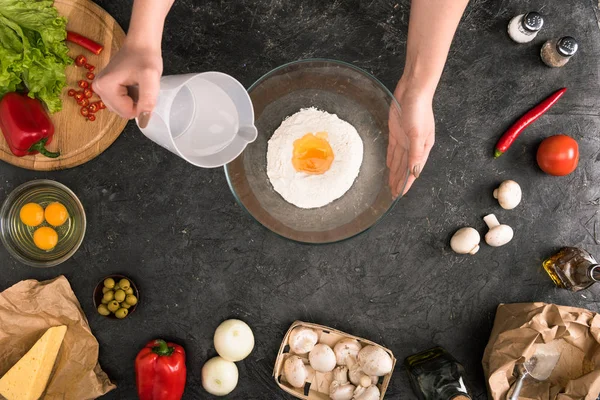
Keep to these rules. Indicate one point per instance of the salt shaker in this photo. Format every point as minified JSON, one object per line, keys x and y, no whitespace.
{"x":525,"y":27}
{"x":557,"y":52}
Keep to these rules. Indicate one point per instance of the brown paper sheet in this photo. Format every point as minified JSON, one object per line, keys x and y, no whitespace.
{"x":517,"y":329}
{"x":27,"y":310}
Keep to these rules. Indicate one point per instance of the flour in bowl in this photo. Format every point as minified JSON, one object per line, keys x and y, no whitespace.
{"x":327,"y":134}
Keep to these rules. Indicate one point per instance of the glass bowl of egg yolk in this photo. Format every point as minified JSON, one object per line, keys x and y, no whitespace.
{"x":354,"y":96}
{"x":42,"y":223}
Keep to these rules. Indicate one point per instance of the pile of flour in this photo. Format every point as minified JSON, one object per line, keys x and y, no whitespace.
{"x":311,"y":191}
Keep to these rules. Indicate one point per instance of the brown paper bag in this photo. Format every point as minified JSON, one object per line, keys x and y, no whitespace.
{"x":518,"y":327}
{"x":30,"y":307}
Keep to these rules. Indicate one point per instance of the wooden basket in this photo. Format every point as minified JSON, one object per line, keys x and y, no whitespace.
{"x":317,"y":383}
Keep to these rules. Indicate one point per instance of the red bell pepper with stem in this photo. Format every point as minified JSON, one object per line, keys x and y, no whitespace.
{"x":160,"y":371}
{"x":532,"y":115}
{"x":26,"y":125}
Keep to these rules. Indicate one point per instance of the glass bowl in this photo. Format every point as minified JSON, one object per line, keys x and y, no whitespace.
{"x":18,"y":238}
{"x":356,"y":97}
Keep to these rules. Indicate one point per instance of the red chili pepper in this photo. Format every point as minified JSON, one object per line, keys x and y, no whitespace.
{"x":71,"y":92}
{"x":84,"y":42}
{"x":90,"y":67}
{"x":26,"y":125}
{"x":83,"y":84}
{"x":515,"y":130}
{"x":88,"y":93}
{"x":101,"y":105}
{"x":91,"y":117}
{"x":84,"y":111}
{"x":160,"y":371}
{"x":94,"y":108}
{"x":80,"y":60}
{"x":90,"y":76}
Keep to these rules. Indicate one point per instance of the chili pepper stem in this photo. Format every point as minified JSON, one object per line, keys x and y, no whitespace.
{"x":497,"y":153}
{"x":162,"y":348}
{"x":41,"y":147}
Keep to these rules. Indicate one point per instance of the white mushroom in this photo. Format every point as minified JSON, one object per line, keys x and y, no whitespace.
{"x":344,"y":348}
{"x":322,"y":358}
{"x":357,"y":376}
{"x":367,"y":393}
{"x":340,"y":374}
{"x":302,"y":340}
{"x":465,"y":241}
{"x":374,"y":360}
{"x":341,"y":391}
{"x":498,"y":235}
{"x":295,"y":371}
{"x":508,"y":194}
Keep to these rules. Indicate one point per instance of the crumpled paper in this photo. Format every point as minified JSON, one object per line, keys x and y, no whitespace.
{"x":27,"y":310}
{"x":517,"y":329}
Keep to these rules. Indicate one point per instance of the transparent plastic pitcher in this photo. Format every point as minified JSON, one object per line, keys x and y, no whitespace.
{"x":207,"y":119}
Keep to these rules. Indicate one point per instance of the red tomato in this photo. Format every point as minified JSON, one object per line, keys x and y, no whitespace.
{"x":558,"y":155}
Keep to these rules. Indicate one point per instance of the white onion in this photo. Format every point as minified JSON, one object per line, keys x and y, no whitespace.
{"x":234,"y":340}
{"x":219,"y":376}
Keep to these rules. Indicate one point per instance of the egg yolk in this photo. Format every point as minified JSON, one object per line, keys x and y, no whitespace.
{"x":32,"y":214}
{"x":45,"y":238}
{"x":56,"y":214}
{"x":312,"y":154}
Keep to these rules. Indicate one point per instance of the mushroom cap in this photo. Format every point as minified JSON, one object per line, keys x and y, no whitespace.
{"x":340,"y":374}
{"x":509,"y":194}
{"x":374,"y":360}
{"x":322,"y":358}
{"x":341,"y":391}
{"x":367,"y":393}
{"x":344,"y":348}
{"x":499,"y":236}
{"x":295,"y":372}
{"x":465,"y":241}
{"x":302,"y":340}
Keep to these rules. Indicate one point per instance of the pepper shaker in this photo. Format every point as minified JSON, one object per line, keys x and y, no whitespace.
{"x":557,"y":52}
{"x":525,"y":27}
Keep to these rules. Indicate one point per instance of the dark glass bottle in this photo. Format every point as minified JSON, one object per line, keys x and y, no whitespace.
{"x":435,"y":375}
{"x":573,"y":269}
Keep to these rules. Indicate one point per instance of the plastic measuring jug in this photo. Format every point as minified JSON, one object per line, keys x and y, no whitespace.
{"x":207,"y":119}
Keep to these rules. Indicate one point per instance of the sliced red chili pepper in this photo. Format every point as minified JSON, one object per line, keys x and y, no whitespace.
{"x":78,"y":96}
{"x":84,"y":111}
{"x":91,"y":117}
{"x":94,"y":108}
{"x":84,"y":42}
{"x":90,"y":67}
{"x":88,"y":93}
{"x":90,"y":76}
{"x":101,"y":105}
{"x":71,"y":92}
{"x":80,"y":60}
{"x":83,"y":84}
{"x":530,"y":116}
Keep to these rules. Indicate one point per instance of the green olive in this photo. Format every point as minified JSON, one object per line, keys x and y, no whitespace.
{"x":104,"y":301}
{"x":116,"y":287}
{"x":124,"y":284}
{"x":125,"y":305}
{"x":103,"y":310}
{"x":109,"y":283}
{"x":129,"y":291}
{"x":105,"y":289}
{"x":113,"y":306}
{"x":108,"y":296}
{"x":120,"y":295}
{"x":121,"y":313}
{"x":131,"y":300}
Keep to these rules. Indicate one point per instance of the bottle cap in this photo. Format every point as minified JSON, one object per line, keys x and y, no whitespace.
{"x":532,"y":21}
{"x":567,"y":46}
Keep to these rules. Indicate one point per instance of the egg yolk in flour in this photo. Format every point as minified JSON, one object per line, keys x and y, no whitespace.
{"x":312,"y":154}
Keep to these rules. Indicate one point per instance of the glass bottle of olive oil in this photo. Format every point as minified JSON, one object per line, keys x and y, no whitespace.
{"x":573,"y":269}
{"x":435,"y":375}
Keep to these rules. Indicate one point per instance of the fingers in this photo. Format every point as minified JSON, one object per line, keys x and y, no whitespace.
{"x":114,"y":95}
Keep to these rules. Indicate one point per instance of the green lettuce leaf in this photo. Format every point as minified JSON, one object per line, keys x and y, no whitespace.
{"x":33,"y":50}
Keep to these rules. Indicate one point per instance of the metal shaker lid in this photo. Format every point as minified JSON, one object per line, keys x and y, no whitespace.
{"x":533,"y":21}
{"x":567,"y":46}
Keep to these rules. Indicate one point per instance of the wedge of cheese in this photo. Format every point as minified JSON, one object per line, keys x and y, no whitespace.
{"x":27,"y":379}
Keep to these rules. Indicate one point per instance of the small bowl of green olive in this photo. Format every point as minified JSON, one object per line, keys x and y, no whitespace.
{"x":116,"y":296}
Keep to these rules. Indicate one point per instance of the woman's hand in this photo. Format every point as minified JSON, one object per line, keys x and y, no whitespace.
{"x":132,"y":66}
{"x":412,"y":135}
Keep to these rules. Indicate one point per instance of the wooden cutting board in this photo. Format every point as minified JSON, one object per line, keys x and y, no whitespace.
{"x":77,"y":139}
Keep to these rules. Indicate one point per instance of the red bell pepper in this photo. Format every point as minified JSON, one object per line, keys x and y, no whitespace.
{"x":160,"y":371}
{"x":26,"y":125}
